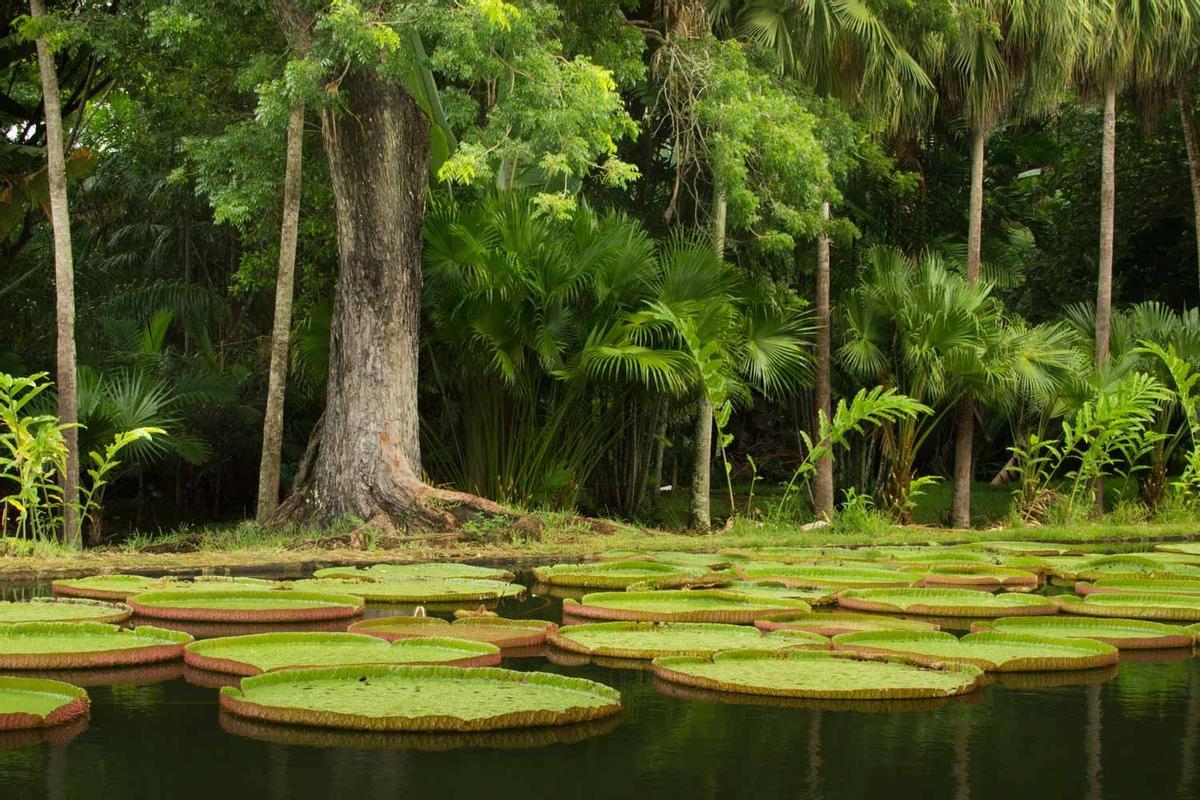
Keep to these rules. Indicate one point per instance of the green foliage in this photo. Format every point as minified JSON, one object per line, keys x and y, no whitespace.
{"x":33,"y":455}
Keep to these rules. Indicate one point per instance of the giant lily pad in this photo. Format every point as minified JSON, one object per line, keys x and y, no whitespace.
{"x":976,"y":575}
{"x":35,"y":703}
{"x":415,"y":590}
{"x":1120,"y":566}
{"x":820,"y":575}
{"x":1187,"y":548}
{"x":82,"y":645}
{"x":116,"y":586}
{"x":839,"y":623}
{"x":935,"y":555}
{"x":811,"y":595}
{"x":246,"y":605}
{"x":994,"y":652}
{"x":404,"y":698}
{"x":621,"y":574}
{"x":678,"y":558}
{"x":1189,"y":586}
{"x":207,"y":582}
{"x":427,"y":571}
{"x":1124,"y":634}
{"x":644,"y":640}
{"x":681,"y":605}
{"x":63,"y":609}
{"x":795,"y":555}
{"x":1031,"y":548}
{"x":1165,"y":607}
{"x":945,"y":602}
{"x":503,"y":633}
{"x":818,"y":674}
{"x":251,"y":655}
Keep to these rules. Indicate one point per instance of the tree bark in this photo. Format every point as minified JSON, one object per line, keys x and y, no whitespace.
{"x":699,"y":515}
{"x":964,"y":440}
{"x":368,"y":464}
{"x":1108,"y":192}
{"x":1188,"y":122}
{"x":64,"y":284}
{"x":823,"y":480}
{"x":272,"y":441}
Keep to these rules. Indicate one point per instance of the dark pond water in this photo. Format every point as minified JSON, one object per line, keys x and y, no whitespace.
{"x":1129,"y":733}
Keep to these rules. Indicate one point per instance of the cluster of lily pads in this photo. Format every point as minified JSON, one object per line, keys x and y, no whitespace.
{"x":823,"y":624}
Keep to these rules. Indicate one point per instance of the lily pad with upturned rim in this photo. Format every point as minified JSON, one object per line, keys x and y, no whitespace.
{"x":85,"y":645}
{"x":62,"y":609}
{"x":795,"y":555}
{"x":503,"y":633}
{"x":246,"y":605}
{"x":646,"y":640}
{"x":819,"y":674}
{"x":1130,"y":565}
{"x":990,"y":651}
{"x":114,"y":586}
{"x":975,"y":575}
{"x":38,"y":703}
{"x":834,"y":624}
{"x":812,"y":595}
{"x":1018,"y":548}
{"x":266,"y":652}
{"x":1124,"y":634}
{"x":399,"y":698}
{"x":1189,"y":586}
{"x":826,"y":576}
{"x":425,"y":570}
{"x":676,"y":557}
{"x":415,"y":590}
{"x":622,"y":574}
{"x":945,"y":602}
{"x":681,"y":605}
{"x":1162,"y":607}
{"x":1187,"y":548}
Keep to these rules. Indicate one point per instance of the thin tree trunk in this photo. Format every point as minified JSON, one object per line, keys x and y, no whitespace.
{"x":368,"y":463}
{"x":823,"y":480}
{"x":699,"y":515}
{"x":64,"y":284}
{"x":272,"y":441}
{"x":964,"y":440}
{"x":1188,"y":122}
{"x":1108,"y":192}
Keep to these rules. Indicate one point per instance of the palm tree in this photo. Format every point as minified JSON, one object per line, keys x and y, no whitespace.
{"x":64,"y":282}
{"x":844,"y":49}
{"x":1001,"y":49}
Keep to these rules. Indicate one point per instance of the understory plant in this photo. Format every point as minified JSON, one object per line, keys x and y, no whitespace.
{"x":1185,"y":377}
{"x":33,"y":454}
{"x":1108,"y":436}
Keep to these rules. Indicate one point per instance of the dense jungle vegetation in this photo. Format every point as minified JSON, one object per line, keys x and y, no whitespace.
{"x":690,"y":263}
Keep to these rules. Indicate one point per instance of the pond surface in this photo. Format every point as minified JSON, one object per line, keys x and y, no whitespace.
{"x":1129,"y":733}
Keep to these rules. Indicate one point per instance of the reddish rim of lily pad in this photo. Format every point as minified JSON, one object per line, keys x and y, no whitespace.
{"x":333,"y":606}
{"x":157,"y":644}
{"x":506,"y":634}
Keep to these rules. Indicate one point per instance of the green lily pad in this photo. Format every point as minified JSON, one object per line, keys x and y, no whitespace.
{"x":827,"y":624}
{"x":116,"y":586}
{"x":62,"y":609}
{"x":1189,"y":586}
{"x":678,"y":558}
{"x":796,"y":555}
{"x":812,"y":596}
{"x":645,"y":640}
{"x":681,"y":605}
{"x":1121,"y":566}
{"x":245,"y":605}
{"x":818,"y":674}
{"x":993,"y":652}
{"x":945,"y":602}
{"x":206,"y":582}
{"x":416,"y":590}
{"x":427,"y":571}
{"x":403,"y":698}
{"x":85,"y":645}
{"x":36,"y":703}
{"x":935,"y":555}
{"x":832,"y":576}
{"x":621,"y":574}
{"x":1031,"y":548}
{"x":1187,"y":548}
{"x":503,"y":633}
{"x":1165,"y":607}
{"x":976,"y":575}
{"x":1124,"y":634}
{"x":251,"y":655}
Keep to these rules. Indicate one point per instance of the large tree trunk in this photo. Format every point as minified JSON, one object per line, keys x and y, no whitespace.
{"x":823,"y":480}
{"x":369,"y":461}
{"x":1108,"y":193}
{"x":272,"y":441}
{"x":964,"y":441}
{"x":1188,"y":122}
{"x":64,"y":284}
